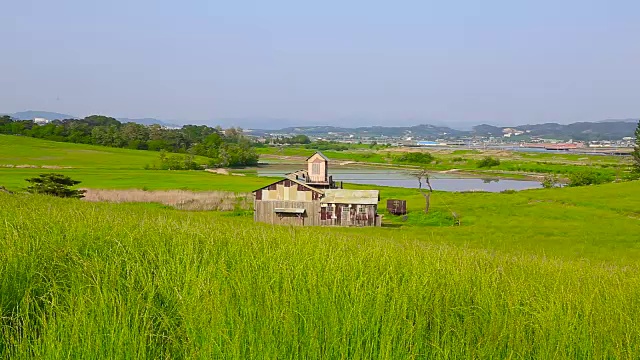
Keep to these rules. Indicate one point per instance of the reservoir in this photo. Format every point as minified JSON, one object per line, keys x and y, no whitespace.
{"x":404,"y":178}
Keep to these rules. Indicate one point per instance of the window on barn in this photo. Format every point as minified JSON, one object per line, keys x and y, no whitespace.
{"x":315,"y":169}
{"x":362,"y":209}
{"x":346,"y":212}
{"x":329,"y":212}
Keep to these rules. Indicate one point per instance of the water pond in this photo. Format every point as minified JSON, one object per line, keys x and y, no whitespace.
{"x":403,"y":178}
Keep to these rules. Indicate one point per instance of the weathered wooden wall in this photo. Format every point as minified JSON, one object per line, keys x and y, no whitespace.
{"x":348,"y":215}
{"x":320,"y":175}
{"x":286,"y":190}
{"x":265,"y":212}
{"x":316,"y":214}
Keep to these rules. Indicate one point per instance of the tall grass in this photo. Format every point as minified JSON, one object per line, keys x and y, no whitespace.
{"x":179,"y":199}
{"x":97,"y":280}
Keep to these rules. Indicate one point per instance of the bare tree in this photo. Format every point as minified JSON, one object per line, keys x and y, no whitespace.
{"x":424,"y":175}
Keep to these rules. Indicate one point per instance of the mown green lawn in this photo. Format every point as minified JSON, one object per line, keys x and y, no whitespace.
{"x":140,"y":179}
{"x":104,"y":167}
{"x":20,"y":150}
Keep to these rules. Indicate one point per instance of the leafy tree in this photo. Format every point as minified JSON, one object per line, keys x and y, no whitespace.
{"x":636,"y":151}
{"x":488,"y":162}
{"x":56,"y":185}
{"x":550,"y":181}
{"x":588,"y":177}
{"x":415,"y":158}
{"x":5,"y":119}
{"x":225,"y":147}
{"x":300,"y":139}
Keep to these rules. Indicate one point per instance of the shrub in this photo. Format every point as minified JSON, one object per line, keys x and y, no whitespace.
{"x":178,"y":162}
{"x":56,"y":185}
{"x":550,"y":181}
{"x":415,"y":158}
{"x":588,"y":177}
{"x":488,"y":162}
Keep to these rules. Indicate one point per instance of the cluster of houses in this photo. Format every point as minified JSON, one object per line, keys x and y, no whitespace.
{"x":311,"y":197}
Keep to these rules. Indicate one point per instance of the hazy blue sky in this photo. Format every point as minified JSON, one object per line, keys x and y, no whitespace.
{"x":338,"y":62}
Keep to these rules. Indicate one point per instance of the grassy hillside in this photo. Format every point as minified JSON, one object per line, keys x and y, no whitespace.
{"x":103,"y":167}
{"x":598,"y":223}
{"x":132,"y":281}
{"x":21,"y":150}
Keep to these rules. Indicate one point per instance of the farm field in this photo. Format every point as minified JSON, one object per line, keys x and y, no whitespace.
{"x":545,"y":273}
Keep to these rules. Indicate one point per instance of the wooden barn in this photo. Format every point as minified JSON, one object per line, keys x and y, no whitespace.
{"x":309,"y":197}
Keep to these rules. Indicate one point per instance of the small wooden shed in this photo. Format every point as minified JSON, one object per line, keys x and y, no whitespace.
{"x":291,"y":202}
{"x":310,"y":197}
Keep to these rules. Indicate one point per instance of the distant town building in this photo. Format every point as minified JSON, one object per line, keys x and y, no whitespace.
{"x":427,"y":143}
{"x":40,"y":121}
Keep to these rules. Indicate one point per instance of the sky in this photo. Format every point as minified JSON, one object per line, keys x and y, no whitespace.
{"x":326,"y":62}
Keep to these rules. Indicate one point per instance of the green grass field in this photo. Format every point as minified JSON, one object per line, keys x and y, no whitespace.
{"x":533,"y":274}
{"x":130,"y":281}
{"x":104,"y":167}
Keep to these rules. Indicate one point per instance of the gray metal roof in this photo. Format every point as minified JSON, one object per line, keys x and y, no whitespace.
{"x":295,"y":181}
{"x":319,"y":153}
{"x":343,"y":196}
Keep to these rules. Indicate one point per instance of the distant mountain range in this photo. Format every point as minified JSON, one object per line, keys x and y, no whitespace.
{"x":30,"y":115}
{"x":585,"y":131}
{"x":609,"y":129}
{"x":148,"y":121}
{"x":603,"y":130}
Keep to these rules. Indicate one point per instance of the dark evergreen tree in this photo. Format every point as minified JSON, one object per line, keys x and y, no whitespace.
{"x":56,"y":185}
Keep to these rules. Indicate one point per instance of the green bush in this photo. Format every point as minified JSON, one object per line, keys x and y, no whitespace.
{"x":488,"y":162}
{"x":415,"y":158}
{"x":549,"y":181}
{"x":588,"y":177}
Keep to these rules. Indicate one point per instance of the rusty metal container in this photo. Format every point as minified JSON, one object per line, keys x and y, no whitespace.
{"x":397,"y":207}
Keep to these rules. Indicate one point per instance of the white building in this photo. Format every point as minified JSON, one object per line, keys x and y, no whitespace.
{"x":40,"y":121}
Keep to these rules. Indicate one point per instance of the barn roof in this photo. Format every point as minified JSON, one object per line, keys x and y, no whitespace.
{"x":292,"y":180}
{"x":318,"y":153}
{"x":358,"y":197}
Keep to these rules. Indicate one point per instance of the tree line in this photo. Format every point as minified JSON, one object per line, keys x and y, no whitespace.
{"x":224,"y":147}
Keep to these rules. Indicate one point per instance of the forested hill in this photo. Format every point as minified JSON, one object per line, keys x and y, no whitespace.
{"x":224,"y":147}
{"x":605,"y":130}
